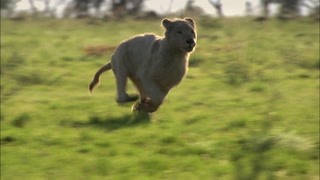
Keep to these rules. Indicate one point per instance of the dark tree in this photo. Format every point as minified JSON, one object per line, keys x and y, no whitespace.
{"x":5,"y":4}
{"x":124,"y":7}
{"x":290,"y":7}
{"x":97,"y":3}
{"x":82,"y":6}
{"x":8,"y":6}
{"x":118,"y":7}
{"x":218,"y":6}
{"x":287,"y":7}
{"x":249,"y":9}
{"x":135,"y":6}
{"x":33,"y":7}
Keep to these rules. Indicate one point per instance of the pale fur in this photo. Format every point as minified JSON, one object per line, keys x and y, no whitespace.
{"x":154,"y":64}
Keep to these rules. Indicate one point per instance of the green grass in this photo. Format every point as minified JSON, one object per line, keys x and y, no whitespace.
{"x":248,"y":108}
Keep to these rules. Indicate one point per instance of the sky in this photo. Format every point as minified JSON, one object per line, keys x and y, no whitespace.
{"x":230,"y":7}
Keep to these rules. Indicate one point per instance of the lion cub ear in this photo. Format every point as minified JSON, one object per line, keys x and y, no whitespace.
{"x":166,"y":23}
{"x":191,"y":21}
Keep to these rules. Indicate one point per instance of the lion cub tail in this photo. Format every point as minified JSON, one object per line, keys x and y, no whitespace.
{"x":96,"y":78}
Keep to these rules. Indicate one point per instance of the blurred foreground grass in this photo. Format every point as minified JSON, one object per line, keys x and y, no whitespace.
{"x":248,"y":109}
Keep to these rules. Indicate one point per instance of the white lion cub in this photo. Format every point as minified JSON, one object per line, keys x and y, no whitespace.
{"x":154,"y":64}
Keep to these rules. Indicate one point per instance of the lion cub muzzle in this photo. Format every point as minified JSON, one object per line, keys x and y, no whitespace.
{"x":191,"y":44}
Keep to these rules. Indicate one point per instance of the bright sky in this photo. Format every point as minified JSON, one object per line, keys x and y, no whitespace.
{"x":230,"y":7}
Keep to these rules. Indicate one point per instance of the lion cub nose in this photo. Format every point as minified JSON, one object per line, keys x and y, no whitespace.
{"x":190,"y":41}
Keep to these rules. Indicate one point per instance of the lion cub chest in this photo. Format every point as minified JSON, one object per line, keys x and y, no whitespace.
{"x":170,"y":72}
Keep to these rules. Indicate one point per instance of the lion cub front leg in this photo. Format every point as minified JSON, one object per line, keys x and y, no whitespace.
{"x":151,"y":101}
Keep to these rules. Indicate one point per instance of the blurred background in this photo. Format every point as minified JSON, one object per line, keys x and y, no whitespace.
{"x":105,"y":8}
{"x":248,"y":108}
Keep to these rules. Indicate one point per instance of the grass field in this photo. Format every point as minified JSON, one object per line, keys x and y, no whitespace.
{"x":248,"y":108}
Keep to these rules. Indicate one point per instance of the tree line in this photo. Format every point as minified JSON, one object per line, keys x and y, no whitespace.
{"x":79,"y":8}
{"x":119,"y":8}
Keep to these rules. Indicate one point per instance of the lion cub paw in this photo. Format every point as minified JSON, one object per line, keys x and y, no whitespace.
{"x":144,"y":106}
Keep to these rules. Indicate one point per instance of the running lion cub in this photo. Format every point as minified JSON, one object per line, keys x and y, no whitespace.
{"x":154,"y":64}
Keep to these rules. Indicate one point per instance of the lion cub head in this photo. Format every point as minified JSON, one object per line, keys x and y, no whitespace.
{"x":181,"y":33}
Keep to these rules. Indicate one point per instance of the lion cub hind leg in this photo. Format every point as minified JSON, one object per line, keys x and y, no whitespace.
{"x":121,"y":82}
{"x":122,"y":96}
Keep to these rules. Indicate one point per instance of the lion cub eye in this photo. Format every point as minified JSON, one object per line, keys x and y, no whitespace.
{"x":179,"y":32}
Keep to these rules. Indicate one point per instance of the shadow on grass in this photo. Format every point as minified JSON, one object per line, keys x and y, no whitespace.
{"x":111,"y":123}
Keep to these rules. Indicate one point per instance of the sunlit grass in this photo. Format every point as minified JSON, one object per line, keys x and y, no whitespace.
{"x":248,"y":108}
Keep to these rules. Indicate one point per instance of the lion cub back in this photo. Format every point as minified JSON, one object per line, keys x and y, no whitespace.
{"x":137,"y":50}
